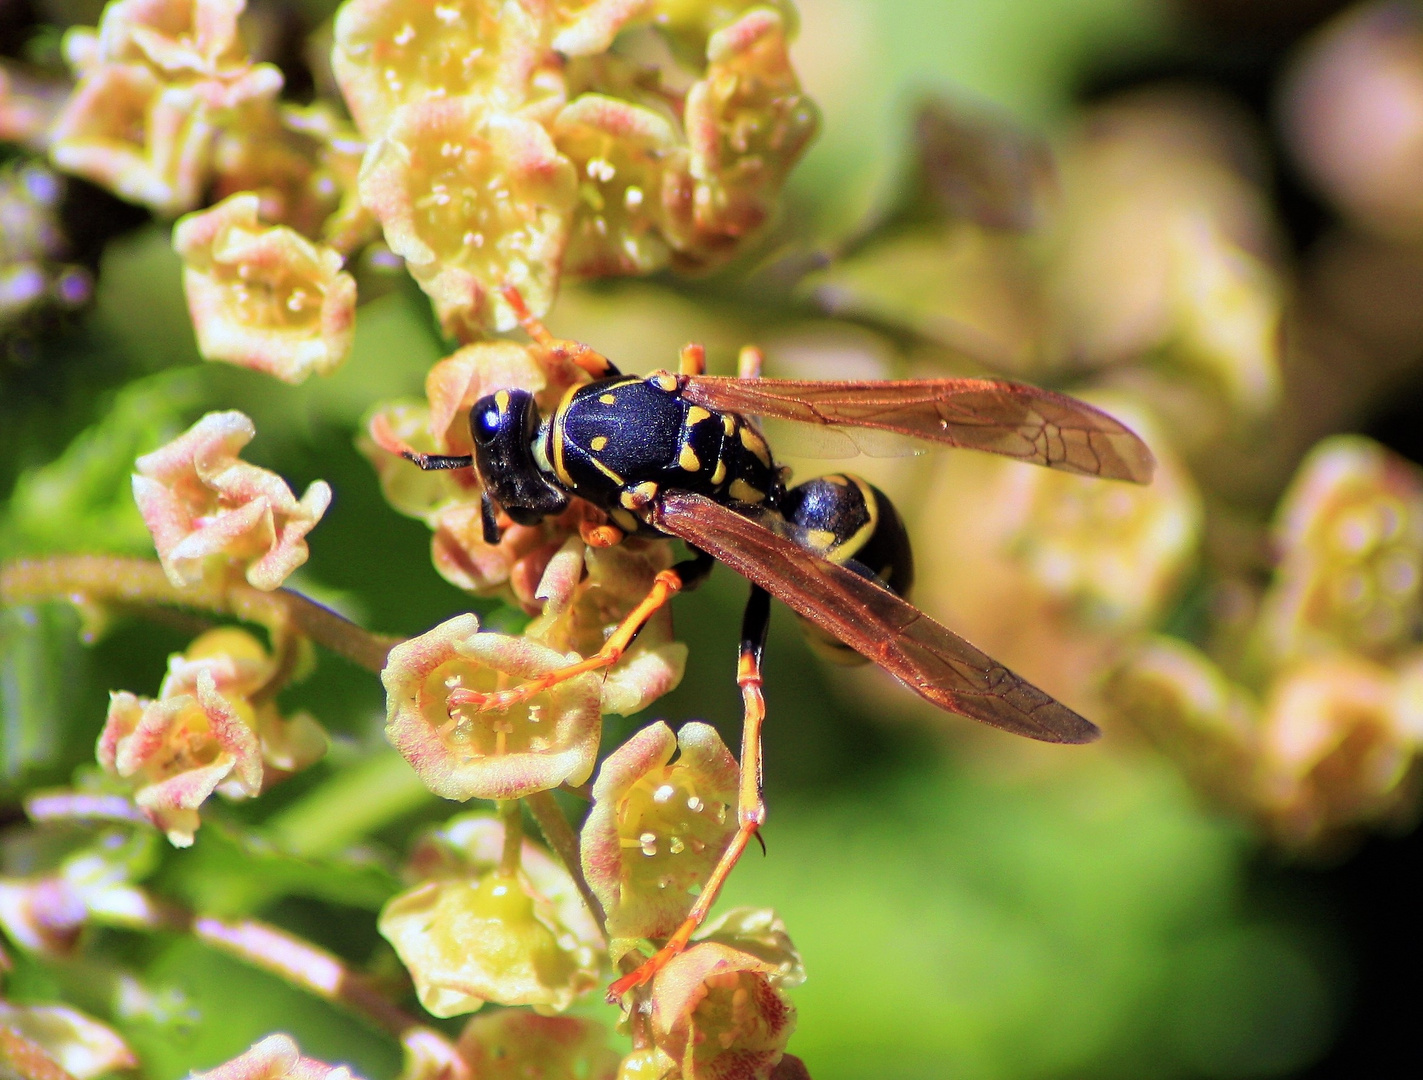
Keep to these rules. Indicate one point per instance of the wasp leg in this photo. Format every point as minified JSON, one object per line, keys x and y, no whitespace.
{"x":558,"y":350}
{"x":687,"y":574}
{"x":693,"y":359}
{"x":748,"y":363}
{"x":751,"y":801}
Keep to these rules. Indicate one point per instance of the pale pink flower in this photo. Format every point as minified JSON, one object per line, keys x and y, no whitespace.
{"x":147,"y":142}
{"x":584,"y":27}
{"x":658,"y":827}
{"x":538,"y":744}
{"x":473,"y":201}
{"x":390,"y":53}
{"x":471,"y":932}
{"x":587,"y":592}
{"x":264,"y":297}
{"x":718,"y":1014}
{"x":206,"y":506}
{"x":178,"y":750}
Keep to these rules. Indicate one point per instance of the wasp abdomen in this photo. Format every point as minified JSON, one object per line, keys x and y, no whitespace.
{"x":847,"y":520}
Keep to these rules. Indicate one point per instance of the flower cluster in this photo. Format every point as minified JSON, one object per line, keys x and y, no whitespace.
{"x":506,"y":141}
{"x":1320,"y":735}
{"x":211,"y":728}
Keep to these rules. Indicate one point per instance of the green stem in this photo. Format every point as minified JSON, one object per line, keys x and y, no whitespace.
{"x":512,"y":815}
{"x":349,"y":807}
{"x":564,"y":842}
{"x":88,"y":580}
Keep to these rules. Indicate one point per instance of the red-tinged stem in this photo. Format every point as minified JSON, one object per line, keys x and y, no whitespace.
{"x":89,"y":580}
{"x":303,"y":964}
{"x":264,"y":946}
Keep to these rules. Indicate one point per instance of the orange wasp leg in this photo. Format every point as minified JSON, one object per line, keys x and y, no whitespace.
{"x":751,"y":800}
{"x":693,"y":359}
{"x":667,"y":584}
{"x":560,"y":351}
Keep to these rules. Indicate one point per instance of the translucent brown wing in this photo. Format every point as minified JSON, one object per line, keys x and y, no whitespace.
{"x":931,"y":659}
{"x":1006,"y":418}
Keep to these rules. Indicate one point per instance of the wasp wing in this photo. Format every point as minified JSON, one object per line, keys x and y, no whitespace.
{"x":931,"y":659}
{"x":1006,"y":418}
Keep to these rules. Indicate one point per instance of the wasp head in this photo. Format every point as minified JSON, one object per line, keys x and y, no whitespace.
{"x":504,"y":426}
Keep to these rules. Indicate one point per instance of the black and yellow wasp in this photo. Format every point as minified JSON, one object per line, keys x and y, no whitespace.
{"x":680,"y":456}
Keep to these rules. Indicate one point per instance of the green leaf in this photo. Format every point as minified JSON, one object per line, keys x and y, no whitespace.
{"x":231,"y":872}
{"x":83,"y":501}
{"x":41,"y":674}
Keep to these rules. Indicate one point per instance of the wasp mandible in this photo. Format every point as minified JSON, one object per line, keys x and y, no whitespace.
{"x":682,"y":456}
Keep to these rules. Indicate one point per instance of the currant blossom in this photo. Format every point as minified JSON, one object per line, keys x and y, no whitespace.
{"x":390,"y":53}
{"x":717,"y":1013}
{"x":587,"y":592}
{"x":658,"y":827}
{"x":203,"y":733}
{"x":264,"y":297}
{"x":472,"y":931}
{"x":473,"y":201}
{"x":463,"y":754}
{"x":207,"y":509}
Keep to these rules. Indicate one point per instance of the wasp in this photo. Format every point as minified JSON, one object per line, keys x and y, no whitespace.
{"x":683,"y":456}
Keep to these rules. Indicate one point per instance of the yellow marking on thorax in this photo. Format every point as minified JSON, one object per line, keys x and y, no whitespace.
{"x":741,"y":491}
{"x":696,"y":414}
{"x":756,"y":445}
{"x":719,"y":473}
{"x":639,"y":496}
{"x":556,"y":436}
{"x":728,"y":424}
{"x":607,"y":399}
{"x":688,"y":459}
{"x":602,"y":467}
{"x":665,"y":382}
{"x":599,"y":441}
{"x":501,"y":399}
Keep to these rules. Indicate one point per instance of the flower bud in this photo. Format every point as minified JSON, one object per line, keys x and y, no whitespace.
{"x":1339,"y":736}
{"x":747,"y":123}
{"x":1349,"y":532}
{"x":264,"y":297}
{"x":464,"y":754}
{"x":473,"y":931}
{"x":657,"y":828}
{"x":209,"y":510}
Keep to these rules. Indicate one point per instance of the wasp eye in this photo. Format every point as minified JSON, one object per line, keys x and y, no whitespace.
{"x":486,"y":424}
